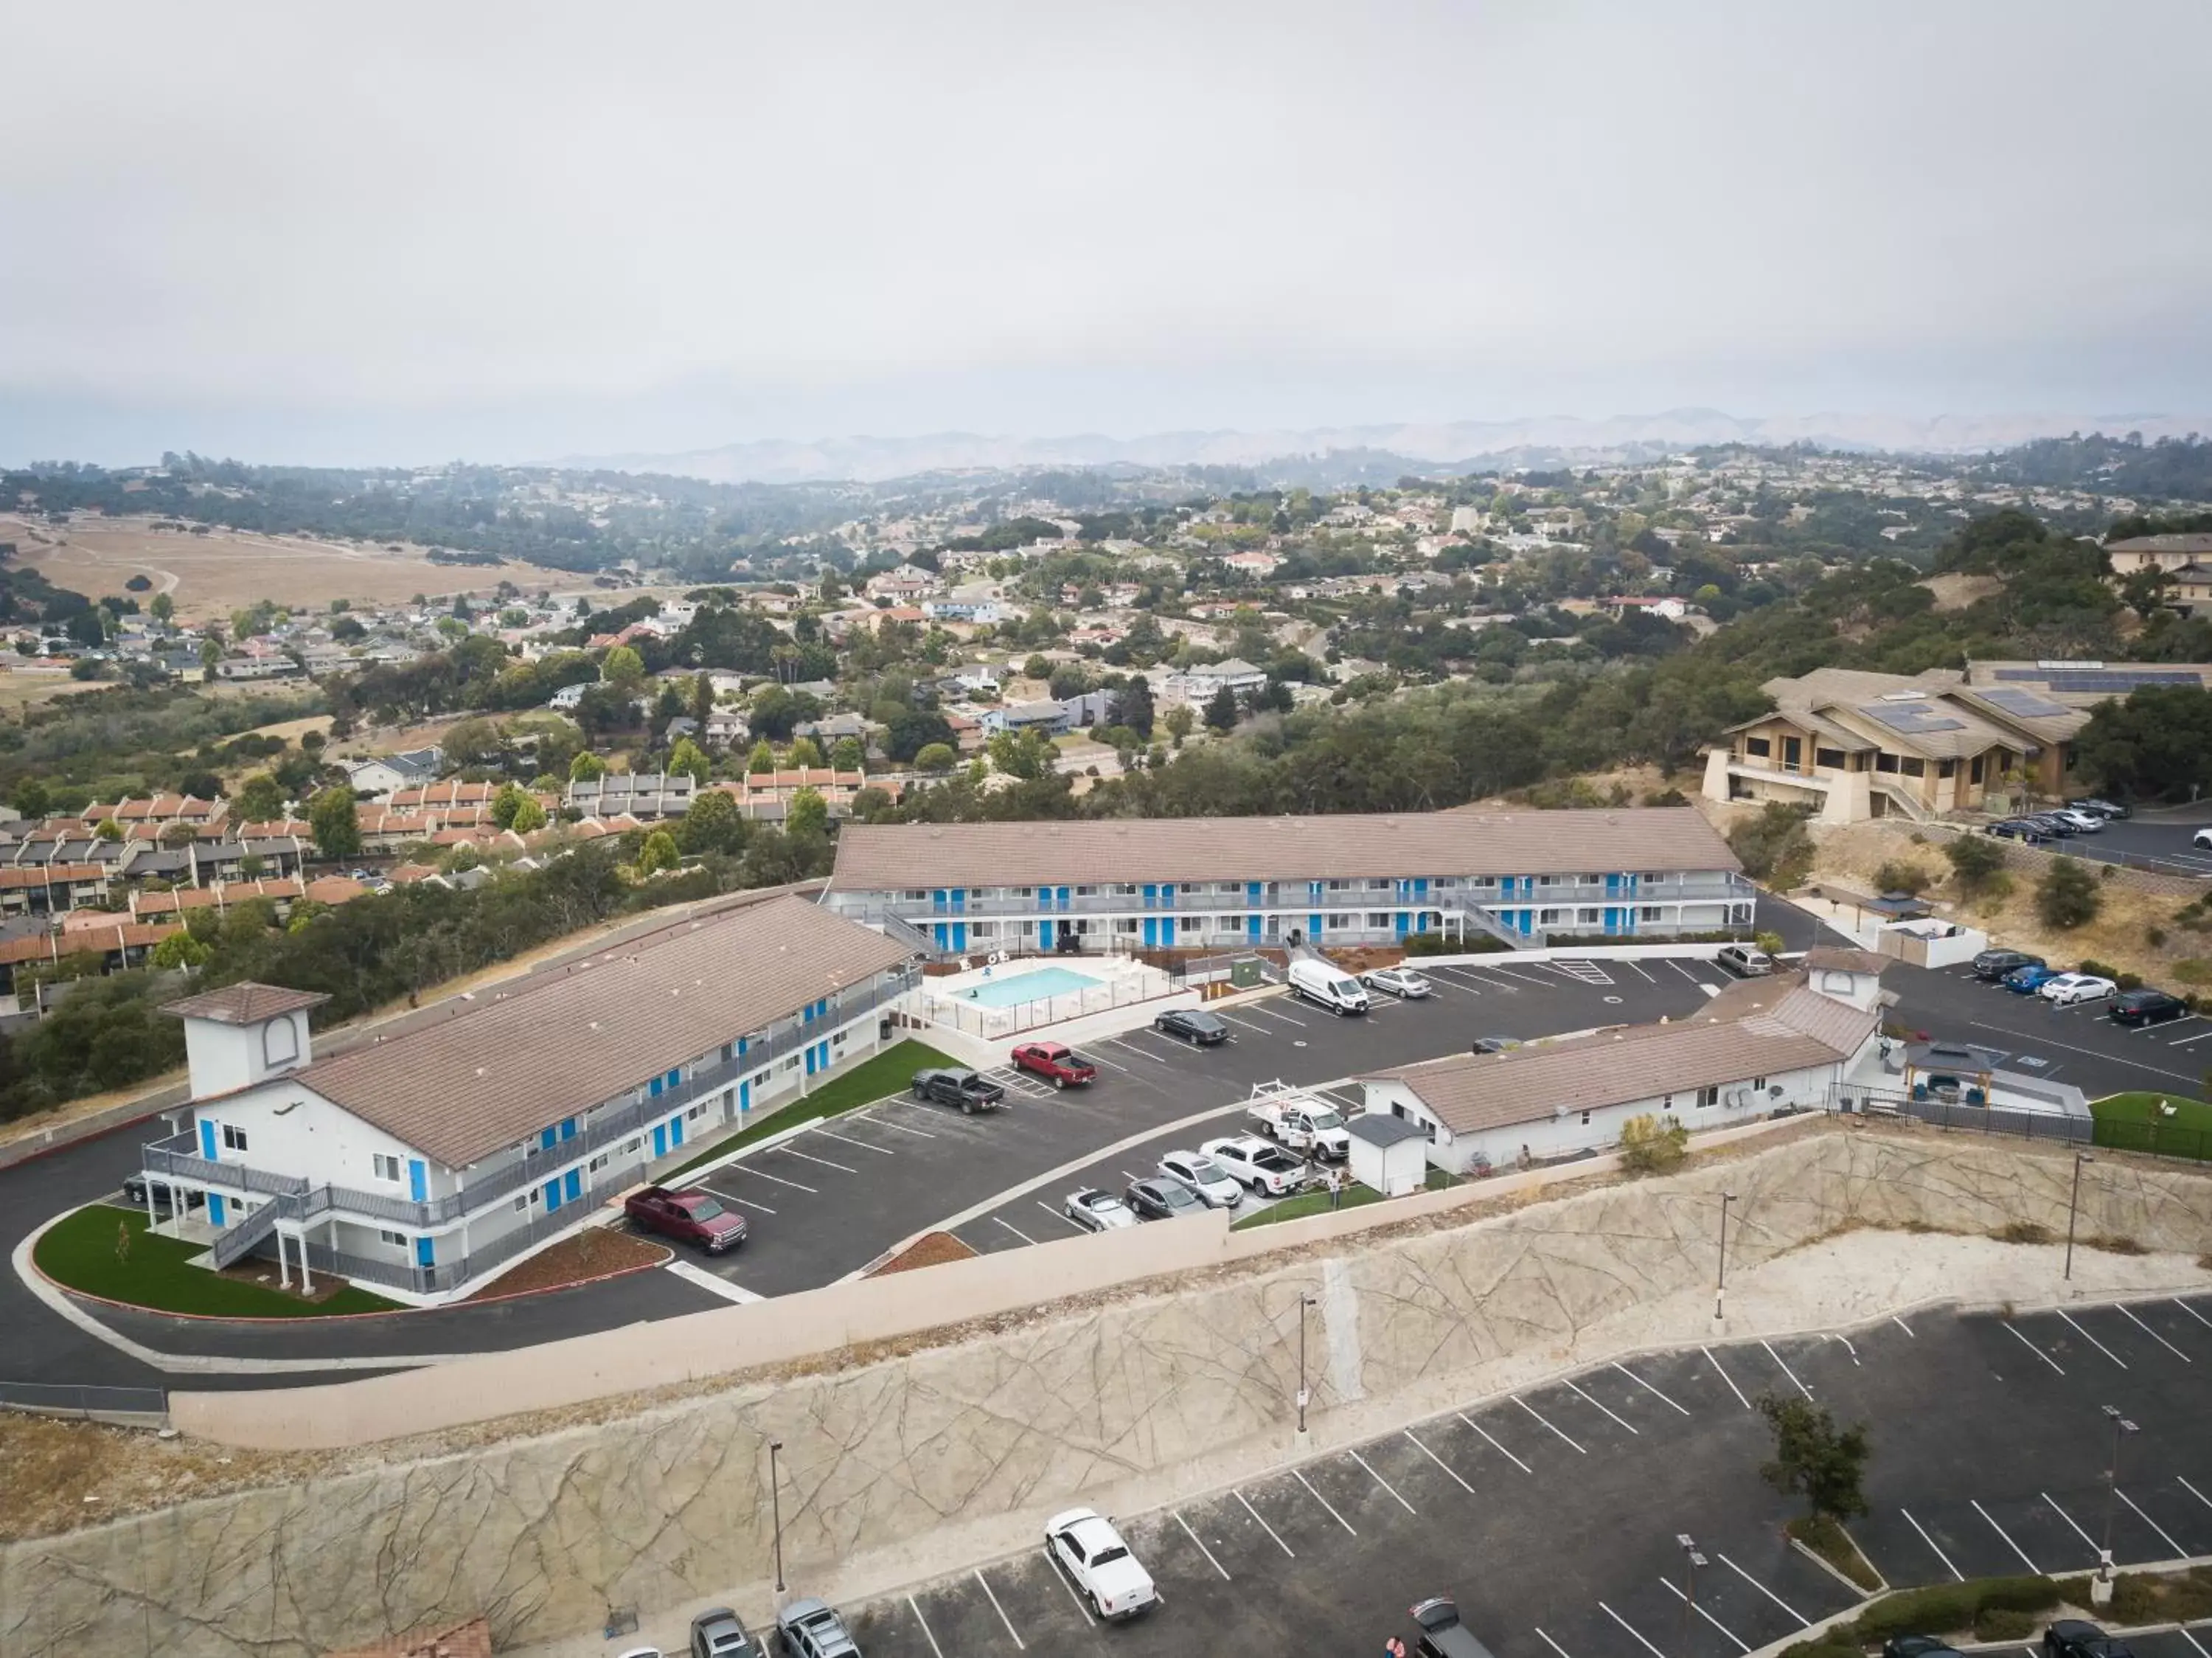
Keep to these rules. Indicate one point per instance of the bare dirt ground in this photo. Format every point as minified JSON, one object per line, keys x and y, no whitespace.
{"x":931,"y":1249}
{"x":210,"y":576}
{"x":595,"y":1252}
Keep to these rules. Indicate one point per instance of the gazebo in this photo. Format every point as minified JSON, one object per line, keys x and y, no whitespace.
{"x":1954,"y":1072}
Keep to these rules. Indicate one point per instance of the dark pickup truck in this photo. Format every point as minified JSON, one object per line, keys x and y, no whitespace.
{"x":962,"y":1088}
{"x":695,"y":1217}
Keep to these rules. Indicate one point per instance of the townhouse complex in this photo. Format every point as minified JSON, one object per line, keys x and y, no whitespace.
{"x":1166,"y":883}
{"x":423,"y":1162}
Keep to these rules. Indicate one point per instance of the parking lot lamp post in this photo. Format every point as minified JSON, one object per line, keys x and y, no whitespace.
{"x":2121,"y":1428}
{"x":1304,"y":1302}
{"x":1691,"y":1561}
{"x":1720,"y":1285}
{"x":2074,"y":1210}
{"x":775,"y":1508}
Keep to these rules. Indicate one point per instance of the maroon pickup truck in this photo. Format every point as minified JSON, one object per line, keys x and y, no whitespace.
{"x":1062,"y":1065}
{"x":695,"y":1217}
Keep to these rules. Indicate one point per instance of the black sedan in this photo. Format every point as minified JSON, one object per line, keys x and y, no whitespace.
{"x":1493,"y":1044}
{"x":2072,"y":1637}
{"x":164,"y":1195}
{"x":1161,"y":1200}
{"x":1990,"y":965}
{"x":1917,"y":1646}
{"x":1192,"y":1025}
{"x":2146,"y":1007}
{"x":2018,"y":829}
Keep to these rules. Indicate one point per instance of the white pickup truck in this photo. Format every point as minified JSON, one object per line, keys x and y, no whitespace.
{"x":1300,"y":1125}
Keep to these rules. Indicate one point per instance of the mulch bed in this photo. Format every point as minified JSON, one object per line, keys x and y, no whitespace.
{"x":931,"y":1249}
{"x":592,"y":1253}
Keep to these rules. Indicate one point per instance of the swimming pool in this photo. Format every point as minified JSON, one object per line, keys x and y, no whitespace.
{"x":1033,"y":986}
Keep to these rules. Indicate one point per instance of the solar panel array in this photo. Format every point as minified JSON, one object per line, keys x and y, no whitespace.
{"x":2100,"y":681}
{"x":2024,"y":703}
{"x":1912,"y":718}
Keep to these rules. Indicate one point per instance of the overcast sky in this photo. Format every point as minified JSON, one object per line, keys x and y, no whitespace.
{"x":408,"y":232}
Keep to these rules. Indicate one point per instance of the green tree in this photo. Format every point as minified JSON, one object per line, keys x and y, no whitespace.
{"x":1974,"y":859}
{"x":180,"y":950}
{"x":210,"y":654}
{"x":1179,"y":722}
{"x":2068,"y":896}
{"x":586,"y":767}
{"x":31,"y":798}
{"x":336,"y":826}
{"x":712,"y":824}
{"x":847,"y":755}
{"x":1901,"y":876}
{"x":1133,"y":707}
{"x":1774,"y":846}
{"x":1653,"y":1145}
{"x":808,"y":814}
{"x":529,"y":817}
{"x":658,"y":853}
{"x":1221,"y":712}
{"x":259,"y":799}
{"x":505,"y":803}
{"x":623,"y":669}
{"x":1815,"y":1459}
{"x":1036,"y":668}
{"x":805,"y":751}
{"x":163,"y":609}
{"x":108,"y":829}
{"x":936,"y":757}
{"x":761,"y":760}
{"x":688,"y":757}
{"x":472,"y":742}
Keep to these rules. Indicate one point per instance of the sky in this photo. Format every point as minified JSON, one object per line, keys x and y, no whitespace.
{"x":509,"y":232}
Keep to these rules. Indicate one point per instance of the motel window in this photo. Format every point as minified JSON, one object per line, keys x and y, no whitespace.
{"x":1381,"y":919}
{"x":1084,"y":892}
{"x":1484,"y":881}
{"x":233,"y":1137}
{"x":1915,"y":766}
{"x":696,"y":1111}
{"x":1831,"y":757}
{"x":1885,"y":762}
{"x":1586,"y":918}
{"x":1586,"y":1119}
{"x":397,"y":1240}
{"x":1337,"y":922}
{"x":1757,"y":745}
{"x":916,"y":895}
{"x":1546,"y":881}
{"x":1974,"y":770}
{"x":761,"y":1080}
{"x":1709,"y":1096}
{"x":1125,"y":889}
{"x":1125,"y":927}
{"x":1759,"y":1081}
{"x":1649,"y":912}
{"x":791,"y":1063}
{"x":524,"y":1202}
{"x":601,"y":1161}
{"x":990,"y":929}
{"x":1547,"y":918}
{"x":1948,"y":769}
{"x":630,"y":1148}
{"x":387,"y":1167}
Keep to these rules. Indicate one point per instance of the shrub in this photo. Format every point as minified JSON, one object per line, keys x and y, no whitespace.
{"x":2155,"y":937}
{"x":2193,"y":970}
{"x":1974,"y":859}
{"x":1898,"y":876}
{"x":2022,"y":1232}
{"x":1667,"y":797}
{"x":1942,"y":1606}
{"x":1774,"y":847}
{"x":2115,"y":1243}
{"x":2003,"y":1624}
{"x":2068,"y":896}
{"x":1653,"y":1145}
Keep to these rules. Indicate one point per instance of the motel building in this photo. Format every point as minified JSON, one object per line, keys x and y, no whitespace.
{"x":1168,"y":883}
{"x":423,"y":1162}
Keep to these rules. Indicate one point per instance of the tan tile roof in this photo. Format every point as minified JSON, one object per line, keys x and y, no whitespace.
{"x":244,"y":1004}
{"x":560,"y":1044}
{"x":1749,"y":1031}
{"x":51,"y":875}
{"x":884,"y":857}
{"x":1838,"y":960}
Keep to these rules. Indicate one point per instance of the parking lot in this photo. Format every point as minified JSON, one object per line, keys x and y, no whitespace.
{"x":827,"y":1201}
{"x":2169,"y":846}
{"x":1552,"y":1516}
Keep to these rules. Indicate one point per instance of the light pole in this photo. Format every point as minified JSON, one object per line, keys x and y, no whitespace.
{"x":1720,"y":1285}
{"x":2121,"y":1428}
{"x":2073,"y":1209}
{"x":776,"y":1507}
{"x":1305,"y":1301}
{"x":1691,"y":1561}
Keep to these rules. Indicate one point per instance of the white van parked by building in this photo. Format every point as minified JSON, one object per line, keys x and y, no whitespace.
{"x":1328,"y":985}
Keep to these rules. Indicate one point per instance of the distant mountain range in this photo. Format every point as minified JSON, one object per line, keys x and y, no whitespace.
{"x":1547,"y":441}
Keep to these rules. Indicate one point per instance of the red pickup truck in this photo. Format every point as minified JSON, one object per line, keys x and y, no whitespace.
{"x":1053,"y":1060}
{"x":695,"y":1217}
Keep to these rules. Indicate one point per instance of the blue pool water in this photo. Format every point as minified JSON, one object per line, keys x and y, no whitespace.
{"x":1033,"y":986}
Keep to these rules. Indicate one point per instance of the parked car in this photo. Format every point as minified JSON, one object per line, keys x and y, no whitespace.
{"x":1443,"y":1635}
{"x":691,"y":1216}
{"x":812,"y":1628}
{"x":2046,"y":823}
{"x":2202,"y":837}
{"x":1193,"y":1025}
{"x":716,"y":1633}
{"x":2025,"y":981}
{"x":2067,"y":989}
{"x":1057,"y":1063}
{"x":2103,"y":809}
{"x":1917,"y":1646}
{"x":2016,"y":829}
{"x":1990,"y":965}
{"x":1204,"y":1179}
{"x":134,"y":1193}
{"x":1084,"y":1544}
{"x":1494,"y":1044}
{"x":1161,"y":1199}
{"x":1401,"y":982}
{"x":2146,"y":1007}
{"x":962,"y":1088}
{"x":1266,"y":1169}
{"x":2074,"y":1637}
{"x":1097,"y":1211}
{"x":1746,"y":961}
{"x":1327,"y":985}
{"x":2085,"y":823}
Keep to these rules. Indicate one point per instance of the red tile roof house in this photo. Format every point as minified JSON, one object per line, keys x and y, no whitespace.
{"x":425,"y":1162}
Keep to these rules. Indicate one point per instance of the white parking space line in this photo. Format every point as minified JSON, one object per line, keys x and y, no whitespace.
{"x":1631,"y":1628}
{"x":1323,"y":1501}
{"x":1587,"y":1400}
{"x":2194,"y":1642}
{"x":1068,"y":1584}
{"x":2153,"y":1334}
{"x":1494,"y":1445}
{"x":1056,"y":1214}
{"x":1264,"y":1526}
{"x":1648,"y":1387}
{"x":2007,"y":1324}
{"x":1202,"y":1549}
{"x":1764,"y":1590}
{"x":2093,"y":1341}
{"x":2005,"y":1534}
{"x":2193,"y":1491}
{"x":1848,"y":1347}
{"x":1141,"y":1053}
{"x":1930,"y":1542}
{"x":745,"y":1204}
{"x":808,"y":1157}
{"x":2186,"y":1041}
{"x":1440,"y":1462}
{"x":924,"y":1622}
{"x":2070,"y":1521}
{"x":1639,"y":968}
{"x":1905,"y":1327}
{"x":1725,"y":1377}
{"x":1268,"y":1013}
{"x":1741,"y":1644}
{"x":1786,"y":1370}
{"x":1531,"y":1410}
{"x":2192,"y":1312}
{"x":1242,"y":1024}
{"x":1523,"y":978}
{"x":901,"y":1128}
{"x":1019,"y":1644}
{"x":2167,"y":1537}
{"x":2045,"y":1041}
{"x":1016,"y":1230}
{"x":1680,"y":969}
{"x":747,"y":1168}
{"x":880,"y":1151}
{"x":1092,"y":1053}
{"x":1383,"y":1483}
{"x":1547,"y":1640}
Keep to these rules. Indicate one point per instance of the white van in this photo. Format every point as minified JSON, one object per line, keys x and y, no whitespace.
{"x":1328,"y":985}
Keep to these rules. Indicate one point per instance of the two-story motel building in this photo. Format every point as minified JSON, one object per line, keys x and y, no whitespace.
{"x":1352,"y":879}
{"x":424,"y":1162}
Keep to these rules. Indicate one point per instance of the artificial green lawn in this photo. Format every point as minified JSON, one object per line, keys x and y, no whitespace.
{"x":1317,"y":1203}
{"x":2132,"y":1122}
{"x":889,"y":1072}
{"x":80,"y":1254}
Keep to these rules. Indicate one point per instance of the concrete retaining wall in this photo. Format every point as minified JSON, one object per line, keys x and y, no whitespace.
{"x":1119,"y":1403}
